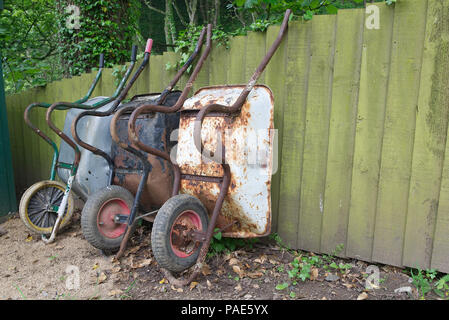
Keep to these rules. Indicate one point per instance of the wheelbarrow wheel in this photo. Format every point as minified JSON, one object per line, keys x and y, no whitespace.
{"x":39,"y":205}
{"x":97,"y":218}
{"x":171,"y":237}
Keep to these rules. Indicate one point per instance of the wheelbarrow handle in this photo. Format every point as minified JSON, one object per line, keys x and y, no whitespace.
{"x":148,"y":108}
{"x":26,"y":116}
{"x":106,"y":113}
{"x":237,"y":106}
{"x":149,"y":46}
{"x":134,"y":53}
{"x":101,"y":64}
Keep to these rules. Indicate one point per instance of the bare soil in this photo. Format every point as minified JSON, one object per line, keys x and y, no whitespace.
{"x":29,"y":269}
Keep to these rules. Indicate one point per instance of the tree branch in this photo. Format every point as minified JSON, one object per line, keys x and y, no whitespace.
{"x":184,"y":23}
{"x":148,"y":4}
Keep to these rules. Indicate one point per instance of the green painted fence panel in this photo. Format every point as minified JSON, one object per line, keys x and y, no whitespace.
{"x":374,"y":74}
{"x":399,"y":127}
{"x":432,"y":116}
{"x":237,"y":60}
{"x":322,"y":50}
{"x":345,"y":89}
{"x":294,"y":122}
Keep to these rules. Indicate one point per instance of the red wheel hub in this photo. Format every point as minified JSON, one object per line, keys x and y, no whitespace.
{"x":105,"y":219}
{"x":181,"y":239}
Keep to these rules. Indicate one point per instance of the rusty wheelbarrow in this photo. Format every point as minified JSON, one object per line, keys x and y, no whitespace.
{"x":63,"y":197}
{"x":222,"y":170}
{"x":109,"y":209}
{"x":40,"y":203}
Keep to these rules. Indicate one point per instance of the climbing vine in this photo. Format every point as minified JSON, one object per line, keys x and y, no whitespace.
{"x":108,"y":27}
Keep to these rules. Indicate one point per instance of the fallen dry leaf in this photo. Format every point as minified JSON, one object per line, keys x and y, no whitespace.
{"x":205,"y":270}
{"x":362,"y":296}
{"x":193,"y":285}
{"x":95,"y":266}
{"x":238,"y":288}
{"x":314,"y":274}
{"x":254,"y":275}
{"x":141,"y":264}
{"x":233,"y":261}
{"x":237,"y":270}
{"x":349,"y":285}
{"x":261,"y":259}
{"x":209,"y":285}
{"x":220,"y":272}
{"x":179,"y":290}
{"x":102,"y":278}
{"x":115,"y":292}
{"x":132,"y":250}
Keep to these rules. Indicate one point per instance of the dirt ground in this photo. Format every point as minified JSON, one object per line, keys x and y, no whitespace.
{"x":29,"y":269}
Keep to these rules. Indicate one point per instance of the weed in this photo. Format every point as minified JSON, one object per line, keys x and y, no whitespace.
{"x":427,"y":281}
{"x":125,"y":294}
{"x":302,"y":266}
{"x":220,"y":244}
{"x":21,"y":293}
{"x":274,"y":236}
{"x":442,"y":287}
{"x":282,"y":286}
{"x":421,"y":282}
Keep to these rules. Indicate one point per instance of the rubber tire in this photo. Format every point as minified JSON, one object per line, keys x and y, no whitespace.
{"x":160,"y":234}
{"x":30,"y":192}
{"x":90,"y":212}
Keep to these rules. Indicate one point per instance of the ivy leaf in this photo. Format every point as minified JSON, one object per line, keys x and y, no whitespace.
{"x":331,"y":9}
{"x":308,"y":15}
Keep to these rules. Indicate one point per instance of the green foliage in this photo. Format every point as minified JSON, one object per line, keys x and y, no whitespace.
{"x":282,"y":286}
{"x":39,"y":46}
{"x":108,"y":27}
{"x":28,"y":45}
{"x":186,"y":42}
{"x":427,"y":281}
{"x":220,"y":244}
{"x":302,"y":265}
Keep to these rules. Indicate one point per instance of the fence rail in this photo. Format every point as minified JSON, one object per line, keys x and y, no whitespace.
{"x":362,"y":118}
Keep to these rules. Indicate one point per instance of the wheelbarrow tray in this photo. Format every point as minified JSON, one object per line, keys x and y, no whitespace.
{"x":248,"y":140}
{"x":93,"y":170}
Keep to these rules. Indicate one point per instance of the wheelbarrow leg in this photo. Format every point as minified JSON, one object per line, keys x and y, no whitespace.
{"x":209,"y":233}
{"x":135,"y":208}
{"x":61,"y":211}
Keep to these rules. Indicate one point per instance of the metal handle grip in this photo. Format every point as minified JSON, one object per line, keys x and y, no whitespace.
{"x":134,"y":53}
{"x":101,"y":64}
{"x":149,"y":46}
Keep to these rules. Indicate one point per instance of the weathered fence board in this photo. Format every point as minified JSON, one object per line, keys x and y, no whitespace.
{"x":275,"y":78}
{"x":374,"y":73}
{"x":322,"y":50}
{"x":297,"y":76}
{"x":399,"y":127}
{"x":345,"y":89}
{"x":430,"y":140}
{"x":362,"y":124}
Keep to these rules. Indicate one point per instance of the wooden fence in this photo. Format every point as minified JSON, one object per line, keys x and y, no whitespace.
{"x":362,"y":117}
